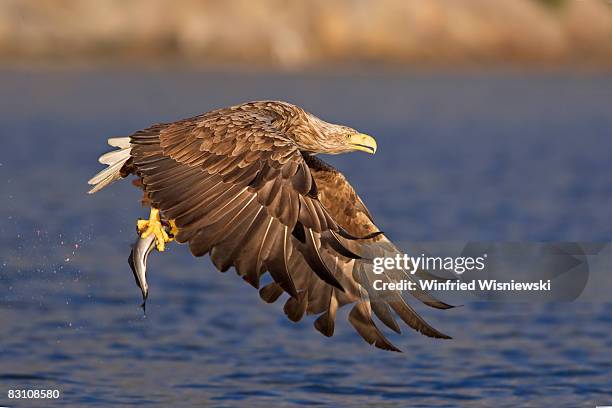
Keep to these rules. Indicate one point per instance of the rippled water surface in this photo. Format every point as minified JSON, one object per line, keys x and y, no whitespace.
{"x":482,"y":156}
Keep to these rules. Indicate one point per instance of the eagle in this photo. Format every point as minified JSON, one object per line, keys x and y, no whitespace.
{"x":244,"y":185}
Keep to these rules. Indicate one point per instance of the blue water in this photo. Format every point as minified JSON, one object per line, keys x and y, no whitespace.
{"x":504,"y":156}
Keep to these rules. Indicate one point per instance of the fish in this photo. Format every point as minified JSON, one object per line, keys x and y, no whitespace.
{"x":138,"y":262}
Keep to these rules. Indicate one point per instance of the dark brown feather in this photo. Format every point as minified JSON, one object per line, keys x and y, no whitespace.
{"x":271,"y":292}
{"x":360,"y":318}
{"x":295,"y":307}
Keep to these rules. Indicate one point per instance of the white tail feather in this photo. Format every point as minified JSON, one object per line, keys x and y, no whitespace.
{"x":115,"y":156}
{"x":115,"y":160}
{"x":121,"y":142}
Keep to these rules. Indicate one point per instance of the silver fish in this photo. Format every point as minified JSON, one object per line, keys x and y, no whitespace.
{"x":138,"y":262}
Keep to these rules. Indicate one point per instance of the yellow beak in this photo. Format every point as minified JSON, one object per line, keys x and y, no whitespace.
{"x":363,"y":142}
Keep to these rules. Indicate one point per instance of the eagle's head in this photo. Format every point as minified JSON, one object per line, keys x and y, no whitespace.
{"x":314,"y":135}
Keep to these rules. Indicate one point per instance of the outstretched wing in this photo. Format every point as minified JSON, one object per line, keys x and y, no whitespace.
{"x":239,"y":189}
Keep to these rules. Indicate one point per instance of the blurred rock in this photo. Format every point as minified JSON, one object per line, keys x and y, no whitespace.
{"x":308,"y":33}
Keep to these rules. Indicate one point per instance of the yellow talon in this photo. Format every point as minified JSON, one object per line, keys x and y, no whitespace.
{"x":173,"y":229}
{"x":154,"y":226}
{"x":141,"y":225}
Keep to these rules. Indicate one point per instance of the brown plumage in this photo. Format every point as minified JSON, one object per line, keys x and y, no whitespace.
{"x":242,"y":185}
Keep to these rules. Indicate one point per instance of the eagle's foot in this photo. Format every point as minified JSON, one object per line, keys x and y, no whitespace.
{"x":154,"y":226}
{"x":173,"y":229}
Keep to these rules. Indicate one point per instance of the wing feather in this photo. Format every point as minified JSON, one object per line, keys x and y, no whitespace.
{"x":360,"y":318}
